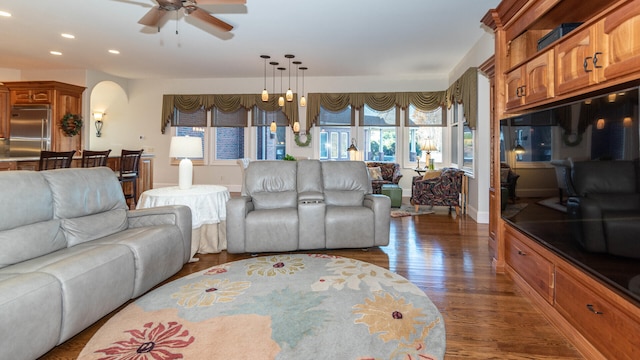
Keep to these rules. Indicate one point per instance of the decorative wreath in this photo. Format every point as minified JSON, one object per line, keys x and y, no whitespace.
{"x":302,"y":144}
{"x":576,"y":140}
{"x":71,"y":124}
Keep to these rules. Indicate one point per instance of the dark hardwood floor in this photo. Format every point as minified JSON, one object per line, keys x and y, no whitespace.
{"x":486,"y":315}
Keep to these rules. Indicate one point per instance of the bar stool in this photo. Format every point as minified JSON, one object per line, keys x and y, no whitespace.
{"x":55,"y":159}
{"x":95,"y":158}
{"x":128,"y":173}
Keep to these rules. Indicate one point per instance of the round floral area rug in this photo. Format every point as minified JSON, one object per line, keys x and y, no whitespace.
{"x":296,"y":306}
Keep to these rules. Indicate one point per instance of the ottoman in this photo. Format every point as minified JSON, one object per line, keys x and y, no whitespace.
{"x":394,"y":192}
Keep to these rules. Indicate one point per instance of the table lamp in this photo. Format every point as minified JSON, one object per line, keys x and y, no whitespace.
{"x":427,"y":148}
{"x":185,"y":147}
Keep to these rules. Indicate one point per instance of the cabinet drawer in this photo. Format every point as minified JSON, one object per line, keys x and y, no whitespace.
{"x":615,"y":333}
{"x":531,"y":266}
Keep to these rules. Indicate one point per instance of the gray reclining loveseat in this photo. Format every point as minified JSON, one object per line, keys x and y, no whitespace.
{"x":306,"y":204}
{"x":72,"y":252}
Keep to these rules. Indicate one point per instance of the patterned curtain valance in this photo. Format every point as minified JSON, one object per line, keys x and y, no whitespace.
{"x":223,"y":102}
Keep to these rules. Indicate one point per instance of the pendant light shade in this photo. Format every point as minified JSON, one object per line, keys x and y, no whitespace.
{"x":281,"y":98}
{"x":303,"y":100}
{"x":296,"y":127}
{"x":289,"y":95}
{"x":265,"y":93}
{"x":273,"y":127}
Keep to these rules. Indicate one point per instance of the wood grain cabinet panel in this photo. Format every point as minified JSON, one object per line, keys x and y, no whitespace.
{"x":31,"y":96}
{"x":574,"y":61}
{"x":531,"y":82}
{"x":613,"y":331}
{"x":620,"y":43}
{"x":532,"y":267}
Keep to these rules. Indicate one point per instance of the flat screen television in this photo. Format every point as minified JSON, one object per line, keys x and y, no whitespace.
{"x":600,"y":128}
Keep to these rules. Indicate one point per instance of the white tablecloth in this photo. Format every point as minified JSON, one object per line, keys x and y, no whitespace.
{"x":208,"y":212}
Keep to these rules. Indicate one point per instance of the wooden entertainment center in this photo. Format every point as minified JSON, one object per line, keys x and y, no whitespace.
{"x":600,"y":55}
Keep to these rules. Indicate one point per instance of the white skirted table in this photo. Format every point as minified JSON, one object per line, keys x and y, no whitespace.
{"x":208,"y":213}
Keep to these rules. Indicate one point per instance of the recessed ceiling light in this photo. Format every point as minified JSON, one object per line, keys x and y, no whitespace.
{"x":53,"y":52}
{"x":68,"y":36}
{"x":113,"y":51}
{"x":5,"y":14}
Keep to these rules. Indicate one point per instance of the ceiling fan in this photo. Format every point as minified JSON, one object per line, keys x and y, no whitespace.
{"x":155,"y":15}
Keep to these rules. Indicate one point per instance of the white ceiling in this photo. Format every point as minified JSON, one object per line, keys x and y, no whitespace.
{"x":330,"y":37}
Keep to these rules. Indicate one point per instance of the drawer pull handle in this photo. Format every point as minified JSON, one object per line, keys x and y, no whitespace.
{"x":585,"y":64}
{"x":520,"y":252}
{"x":593,"y":310}
{"x":595,"y":60}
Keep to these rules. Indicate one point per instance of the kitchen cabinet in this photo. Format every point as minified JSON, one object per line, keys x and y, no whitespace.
{"x":61,"y":97}
{"x":575,"y":61}
{"x":531,"y":82}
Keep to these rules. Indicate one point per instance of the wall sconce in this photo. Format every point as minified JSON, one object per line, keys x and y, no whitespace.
{"x":353,"y":150}
{"x":626,"y":122}
{"x":98,"y":116}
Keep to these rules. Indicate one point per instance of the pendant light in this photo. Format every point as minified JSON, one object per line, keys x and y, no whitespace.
{"x":296,"y":124}
{"x":289,"y":92}
{"x":265,"y":93}
{"x":303,"y":100}
{"x":281,"y":98}
{"x":273,"y":127}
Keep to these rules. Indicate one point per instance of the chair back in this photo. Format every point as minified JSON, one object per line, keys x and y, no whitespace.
{"x":55,"y":159}
{"x":129,"y":160}
{"x":95,"y":158}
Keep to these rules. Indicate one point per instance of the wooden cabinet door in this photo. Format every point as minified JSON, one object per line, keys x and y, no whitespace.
{"x":574,"y":61}
{"x":539,"y":83}
{"x":513,"y":92}
{"x":28,"y":96}
{"x":620,"y":44}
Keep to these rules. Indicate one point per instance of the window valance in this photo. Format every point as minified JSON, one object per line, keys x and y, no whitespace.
{"x":223,"y":102}
{"x":464,"y":91}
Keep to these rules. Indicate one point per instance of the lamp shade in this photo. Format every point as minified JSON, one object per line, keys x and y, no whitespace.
{"x":519,"y":149}
{"x":185,"y":147}
{"x":429,"y":145}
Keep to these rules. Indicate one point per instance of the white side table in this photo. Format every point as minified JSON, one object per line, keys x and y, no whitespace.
{"x":208,"y":213}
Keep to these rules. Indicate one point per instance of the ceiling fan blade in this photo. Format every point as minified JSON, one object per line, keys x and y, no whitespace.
{"x":153,"y":16}
{"x":216,"y":2}
{"x":206,"y":17}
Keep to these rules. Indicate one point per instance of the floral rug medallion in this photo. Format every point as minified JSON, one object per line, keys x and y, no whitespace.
{"x":295,"y":306}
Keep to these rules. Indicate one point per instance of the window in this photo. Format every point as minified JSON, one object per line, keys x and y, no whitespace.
{"x":270,"y":146}
{"x":335,"y":133}
{"x":423,"y":126}
{"x":379,"y":133}
{"x":462,"y":140}
{"x":226,"y":137}
{"x":532,"y":133}
{"x":192,"y":124}
{"x":229,"y":133}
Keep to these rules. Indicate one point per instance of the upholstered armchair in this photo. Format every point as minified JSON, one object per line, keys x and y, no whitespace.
{"x":442,"y":190}
{"x":388,"y":173}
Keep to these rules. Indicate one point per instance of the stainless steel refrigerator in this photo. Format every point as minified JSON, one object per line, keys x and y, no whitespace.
{"x":30,"y":130}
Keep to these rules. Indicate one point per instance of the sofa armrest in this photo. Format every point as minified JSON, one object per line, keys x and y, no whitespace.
{"x":178,"y":215}
{"x":381,"y":206}
{"x":237,"y":210}
{"x":397,"y":174}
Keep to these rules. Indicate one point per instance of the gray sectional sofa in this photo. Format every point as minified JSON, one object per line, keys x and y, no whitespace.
{"x":306,"y":204}
{"x":71,"y":252}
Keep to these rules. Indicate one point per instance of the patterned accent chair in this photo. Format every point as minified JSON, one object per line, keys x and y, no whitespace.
{"x":390,"y":175}
{"x":443,"y":190}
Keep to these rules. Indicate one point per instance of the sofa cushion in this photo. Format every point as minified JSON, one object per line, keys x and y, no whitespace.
{"x":91,"y":227}
{"x":30,"y":241}
{"x":29,"y":199}
{"x":272,"y":184}
{"x":31,"y":308}
{"x":80,"y":192}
